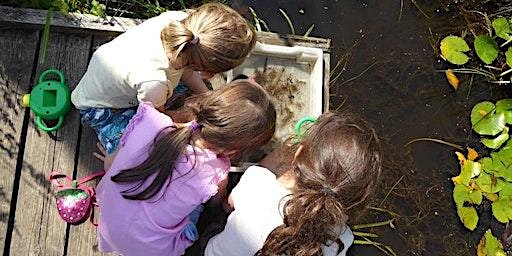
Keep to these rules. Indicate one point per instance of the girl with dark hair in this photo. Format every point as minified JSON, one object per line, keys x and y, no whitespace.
{"x":163,"y":171}
{"x":332,"y":171}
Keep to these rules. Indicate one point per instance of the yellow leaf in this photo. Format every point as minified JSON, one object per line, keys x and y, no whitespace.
{"x":480,"y":248}
{"x":456,"y":180}
{"x":461,"y":157}
{"x":482,"y":112}
{"x":491,"y":196}
{"x":472,"y":154}
{"x":452,"y":79}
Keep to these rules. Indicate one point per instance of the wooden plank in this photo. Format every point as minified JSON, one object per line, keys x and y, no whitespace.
{"x":17,"y":55}
{"x":291,"y":40}
{"x":38,"y":228}
{"x":77,"y":21}
{"x":83,"y":239}
{"x":73,"y":21}
{"x":327,"y":81}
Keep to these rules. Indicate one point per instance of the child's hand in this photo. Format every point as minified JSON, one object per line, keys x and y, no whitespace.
{"x":104,"y":157}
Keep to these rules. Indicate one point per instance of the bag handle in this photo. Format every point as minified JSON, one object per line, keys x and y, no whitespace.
{"x":54,"y":176}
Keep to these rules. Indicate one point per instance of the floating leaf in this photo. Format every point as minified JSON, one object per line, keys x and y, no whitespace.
{"x":468,"y":216}
{"x":485,"y":120}
{"x":502,"y":28}
{"x":486,"y":48}
{"x":469,"y":170}
{"x":488,"y":183}
{"x":505,"y":107}
{"x":452,"y":79}
{"x":487,"y":165}
{"x":489,"y":246}
{"x":498,"y":141}
{"x":490,"y":197}
{"x":472,"y":154}
{"x":462,"y":194}
{"x":506,"y":191}
{"x":502,"y":164}
{"x":508,"y":56}
{"x":502,"y":210}
{"x":453,"y":48}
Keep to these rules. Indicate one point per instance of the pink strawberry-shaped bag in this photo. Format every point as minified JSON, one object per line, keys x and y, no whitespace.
{"x":75,"y":201}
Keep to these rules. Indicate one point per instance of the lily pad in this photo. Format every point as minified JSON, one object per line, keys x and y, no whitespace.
{"x":453,"y":48}
{"x":468,"y":171}
{"x":462,"y":194}
{"x":502,"y":28}
{"x":489,"y":246}
{"x":485,"y":119}
{"x":468,"y":216}
{"x":498,"y":141}
{"x":488,"y":183}
{"x":486,"y":48}
{"x":502,"y":210}
{"x":508,"y":56}
{"x":502,"y":164}
{"x":505,"y":106}
{"x":487,"y":164}
{"x":506,"y":191}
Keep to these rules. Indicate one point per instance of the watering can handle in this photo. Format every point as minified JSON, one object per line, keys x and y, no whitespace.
{"x":43,"y":126}
{"x":51,"y":71}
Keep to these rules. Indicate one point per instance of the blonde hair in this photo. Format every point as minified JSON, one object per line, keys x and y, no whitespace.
{"x":213,"y":38}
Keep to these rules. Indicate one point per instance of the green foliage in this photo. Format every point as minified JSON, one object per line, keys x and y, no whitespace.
{"x":489,"y":246}
{"x":453,"y":48}
{"x":486,"y":48}
{"x":508,"y":55}
{"x":486,"y":120}
{"x":491,"y":175}
{"x":502,"y":28}
{"x":498,"y":141}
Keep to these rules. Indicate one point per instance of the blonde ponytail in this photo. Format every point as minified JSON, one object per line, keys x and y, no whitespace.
{"x":213,"y":38}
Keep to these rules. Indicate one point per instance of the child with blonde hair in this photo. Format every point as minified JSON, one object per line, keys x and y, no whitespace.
{"x":146,"y":63}
{"x":305,"y":211}
{"x":162,"y":172}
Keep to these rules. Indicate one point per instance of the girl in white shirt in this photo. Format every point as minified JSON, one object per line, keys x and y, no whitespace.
{"x":147,"y":62}
{"x":305,"y":211}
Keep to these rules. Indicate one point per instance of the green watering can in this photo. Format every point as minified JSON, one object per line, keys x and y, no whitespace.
{"x":49,"y":100}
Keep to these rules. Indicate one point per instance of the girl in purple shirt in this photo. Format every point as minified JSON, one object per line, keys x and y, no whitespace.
{"x":164,"y":170}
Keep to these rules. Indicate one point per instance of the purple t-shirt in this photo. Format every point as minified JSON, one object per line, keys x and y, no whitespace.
{"x":154,"y":226}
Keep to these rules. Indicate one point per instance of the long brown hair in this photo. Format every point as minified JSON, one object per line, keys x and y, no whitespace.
{"x":335,"y":172}
{"x":224,"y":39}
{"x":237,"y":117}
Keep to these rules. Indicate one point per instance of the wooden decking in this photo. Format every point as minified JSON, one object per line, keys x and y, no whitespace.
{"x":29,"y":223}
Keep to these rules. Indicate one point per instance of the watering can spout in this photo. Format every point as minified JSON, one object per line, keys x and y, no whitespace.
{"x":25,"y":101}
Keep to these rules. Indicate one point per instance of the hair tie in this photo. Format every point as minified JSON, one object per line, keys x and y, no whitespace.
{"x":328,"y":191}
{"x":194,"y":126}
{"x":195,"y":40}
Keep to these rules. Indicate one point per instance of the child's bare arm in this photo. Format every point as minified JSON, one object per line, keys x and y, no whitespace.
{"x":193,"y":80}
{"x":107,"y":159}
{"x":221,"y":197}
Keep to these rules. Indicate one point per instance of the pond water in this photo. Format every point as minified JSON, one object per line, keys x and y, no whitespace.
{"x":388,"y":51}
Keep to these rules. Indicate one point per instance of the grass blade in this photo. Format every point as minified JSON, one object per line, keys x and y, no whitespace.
{"x":371,"y":225}
{"x":436,"y":140}
{"x":182,"y":3}
{"x":256,"y":19}
{"x":46,"y":36}
{"x":309,"y":30}
{"x":264,"y":25}
{"x":292,"y":28}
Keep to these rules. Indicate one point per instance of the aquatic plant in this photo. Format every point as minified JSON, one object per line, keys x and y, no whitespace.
{"x":454,"y":49}
{"x":490,"y":177}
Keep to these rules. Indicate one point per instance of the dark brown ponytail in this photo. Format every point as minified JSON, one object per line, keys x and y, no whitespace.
{"x":335,"y":172}
{"x":237,"y":117}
